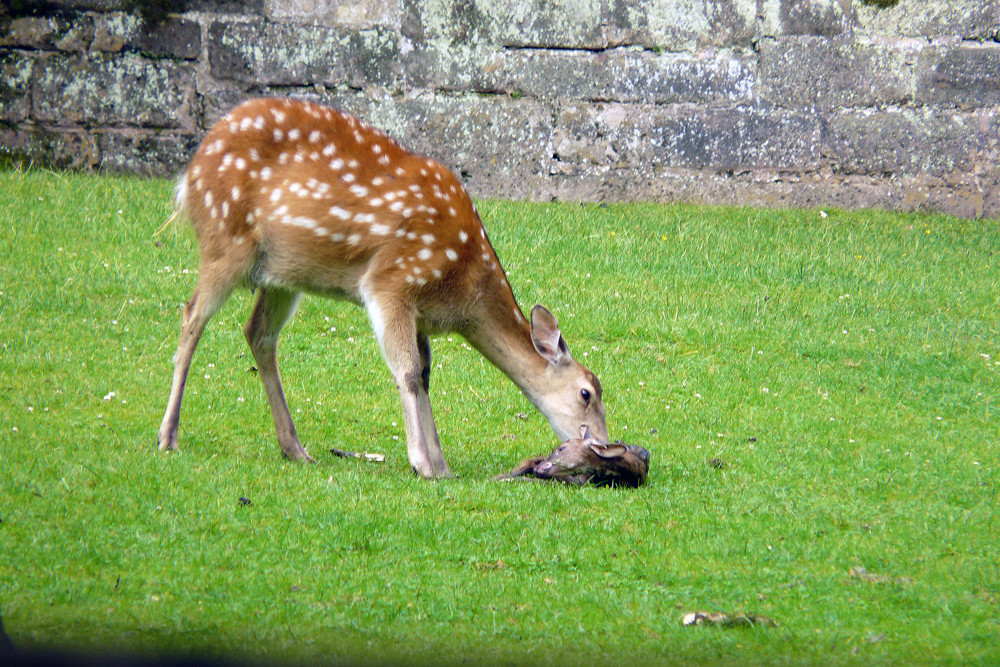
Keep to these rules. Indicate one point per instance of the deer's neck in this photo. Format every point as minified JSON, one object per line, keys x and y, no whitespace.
{"x":502,"y":334}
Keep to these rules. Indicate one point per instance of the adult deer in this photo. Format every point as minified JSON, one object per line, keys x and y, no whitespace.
{"x":287,"y":196}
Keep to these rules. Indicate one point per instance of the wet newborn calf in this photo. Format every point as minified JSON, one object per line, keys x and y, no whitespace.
{"x":586,"y":459}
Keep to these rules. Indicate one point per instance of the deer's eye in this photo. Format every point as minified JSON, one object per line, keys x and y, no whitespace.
{"x":585,"y":395}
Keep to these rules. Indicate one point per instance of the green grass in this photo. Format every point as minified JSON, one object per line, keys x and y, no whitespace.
{"x":845,"y":369}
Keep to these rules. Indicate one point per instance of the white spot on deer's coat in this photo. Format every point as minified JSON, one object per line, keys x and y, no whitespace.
{"x":377,"y":181}
{"x":225,"y":209}
{"x":376,"y":148}
{"x":208,"y":199}
{"x":353,"y":239}
{"x":379,"y":230}
{"x":364,"y":217}
{"x":245,"y":123}
{"x":265,"y":173}
{"x":235,"y":194}
{"x":279,"y":116}
{"x":341,"y":213}
{"x":451,"y":254}
{"x":241,"y":163}
{"x":293,"y":134}
{"x":376,"y":202}
{"x":349,"y":177}
{"x":227,"y":159}
{"x":336,"y":237}
{"x":329,"y":150}
{"x":314,"y":136}
{"x":258,"y":123}
{"x":462,"y":236}
{"x":396,"y":206}
{"x":424,"y":254}
{"x":276,"y":194}
{"x":427,"y":239}
{"x":337,"y":164}
{"x":302,"y":221}
{"x":359,"y":190}
{"x":278,"y":134}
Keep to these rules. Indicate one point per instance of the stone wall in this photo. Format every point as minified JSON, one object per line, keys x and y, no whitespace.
{"x":841,"y":103}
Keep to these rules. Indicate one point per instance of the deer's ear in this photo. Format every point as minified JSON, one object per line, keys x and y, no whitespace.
{"x":547,"y":338}
{"x":611,"y":451}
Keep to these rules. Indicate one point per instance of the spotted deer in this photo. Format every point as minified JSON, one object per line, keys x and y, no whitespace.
{"x":288,"y":196}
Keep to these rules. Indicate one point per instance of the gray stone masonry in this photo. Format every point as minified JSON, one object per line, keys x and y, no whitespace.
{"x":816,"y":103}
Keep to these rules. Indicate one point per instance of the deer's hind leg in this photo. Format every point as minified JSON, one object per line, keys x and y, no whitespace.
{"x":274,"y":307}
{"x":214,"y":287}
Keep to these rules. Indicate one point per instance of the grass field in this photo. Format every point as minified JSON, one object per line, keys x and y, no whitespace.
{"x":841,"y":368}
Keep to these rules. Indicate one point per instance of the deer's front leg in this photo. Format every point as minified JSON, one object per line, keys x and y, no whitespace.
{"x":396,"y":329}
{"x":424,"y":407}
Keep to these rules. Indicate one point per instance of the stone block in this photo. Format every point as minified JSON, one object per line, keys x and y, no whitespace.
{"x":165,"y":37}
{"x":459,"y":67}
{"x":171,"y":38}
{"x":906,"y":141}
{"x":825,"y":18}
{"x":356,"y":14}
{"x":15,"y":86}
{"x":113,"y":30}
{"x":26,"y":7}
{"x":54,"y":32}
{"x":238,"y":7}
{"x":146,"y":152}
{"x":971,"y":19}
{"x":126,"y":90}
{"x":61,"y":149}
{"x":629,"y":76}
{"x":814,"y":72}
{"x":273,"y":54}
{"x":728,"y":139}
{"x":966,"y":76}
{"x":558,"y":23}
{"x":679,"y":26}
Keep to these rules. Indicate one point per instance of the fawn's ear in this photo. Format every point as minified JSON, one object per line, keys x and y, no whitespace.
{"x":610,"y":451}
{"x":547,"y":338}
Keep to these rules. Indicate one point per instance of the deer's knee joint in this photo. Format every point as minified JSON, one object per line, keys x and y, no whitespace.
{"x":412,"y":382}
